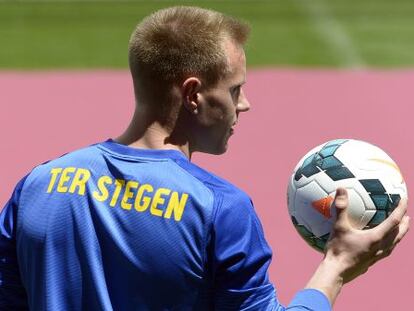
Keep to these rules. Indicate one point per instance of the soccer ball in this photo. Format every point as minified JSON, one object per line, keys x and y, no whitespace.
{"x":374,"y":183}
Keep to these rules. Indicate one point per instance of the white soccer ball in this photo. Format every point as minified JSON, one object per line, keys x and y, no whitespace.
{"x":374,"y":183}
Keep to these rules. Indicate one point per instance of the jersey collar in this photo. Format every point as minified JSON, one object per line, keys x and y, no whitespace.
{"x":137,"y":152}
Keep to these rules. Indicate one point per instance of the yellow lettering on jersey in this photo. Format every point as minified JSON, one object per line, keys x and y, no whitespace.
{"x":119,"y":183}
{"x":54,"y":172}
{"x":158,"y":200}
{"x":162,"y":202}
{"x":103,"y":194}
{"x":142,"y":201}
{"x":128,"y":194}
{"x":176,"y":205}
{"x":79,"y":181}
{"x":64,"y":178}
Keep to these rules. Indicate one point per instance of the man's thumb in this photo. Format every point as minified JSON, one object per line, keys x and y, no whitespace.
{"x":341,"y":203}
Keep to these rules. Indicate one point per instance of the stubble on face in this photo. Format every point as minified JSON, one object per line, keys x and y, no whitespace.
{"x":219,"y":115}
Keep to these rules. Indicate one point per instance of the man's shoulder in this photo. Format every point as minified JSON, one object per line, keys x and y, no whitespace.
{"x":79,"y":158}
{"x":218,"y":185}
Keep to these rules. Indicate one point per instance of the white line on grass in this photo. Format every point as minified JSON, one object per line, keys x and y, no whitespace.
{"x":332,"y":31}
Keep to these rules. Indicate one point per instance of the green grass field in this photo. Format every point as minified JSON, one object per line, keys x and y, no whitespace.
{"x":327,"y":33}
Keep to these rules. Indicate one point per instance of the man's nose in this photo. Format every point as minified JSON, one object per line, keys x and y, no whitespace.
{"x":243,"y":104}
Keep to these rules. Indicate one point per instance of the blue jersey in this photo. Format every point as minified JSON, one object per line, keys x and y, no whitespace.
{"x":110,"y":227}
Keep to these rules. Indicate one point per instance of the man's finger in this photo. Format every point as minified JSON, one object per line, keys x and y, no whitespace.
{"x":393,"y":220}
{"x":340,"y":204}
{"x":402,"y":229}
{"x":393,"y":237}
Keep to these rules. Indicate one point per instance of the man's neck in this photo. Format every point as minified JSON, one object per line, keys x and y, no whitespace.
{"x":153,"y":136}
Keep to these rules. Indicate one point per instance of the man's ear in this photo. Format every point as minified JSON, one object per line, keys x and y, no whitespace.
{"x":190,"y":94}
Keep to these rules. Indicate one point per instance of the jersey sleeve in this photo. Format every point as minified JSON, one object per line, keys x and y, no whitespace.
{"x":241,"y":257}
{"x":12,"y":293}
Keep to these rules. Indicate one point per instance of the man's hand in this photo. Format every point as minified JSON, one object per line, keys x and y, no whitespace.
{"x":350,"y":252}
{"x":357,"y":250}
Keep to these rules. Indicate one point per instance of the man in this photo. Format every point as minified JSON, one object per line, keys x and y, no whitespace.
{"x":132,"y":224}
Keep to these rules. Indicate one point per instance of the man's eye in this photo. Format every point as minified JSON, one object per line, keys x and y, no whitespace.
{"x":236,"y":92}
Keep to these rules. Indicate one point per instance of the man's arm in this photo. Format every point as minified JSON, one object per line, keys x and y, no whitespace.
{"x":242,"y":256}
{"x":240,"y":261}
{"x":12,"y":293}
{"x":350,"y":252}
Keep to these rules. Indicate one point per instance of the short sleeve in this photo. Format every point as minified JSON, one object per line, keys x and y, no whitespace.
{"x":12,"y":293}
{"x":241,"y":258}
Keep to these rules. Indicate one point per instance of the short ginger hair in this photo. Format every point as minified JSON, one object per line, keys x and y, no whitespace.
{"x":177,"y":42}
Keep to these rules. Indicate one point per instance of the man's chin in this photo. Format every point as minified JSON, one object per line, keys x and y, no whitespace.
{"x":216,"y":150}
{"x":219,"y":152}
{"x":222,"y":149}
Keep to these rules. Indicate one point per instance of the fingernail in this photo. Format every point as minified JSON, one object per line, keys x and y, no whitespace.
{"x":341,"y":191}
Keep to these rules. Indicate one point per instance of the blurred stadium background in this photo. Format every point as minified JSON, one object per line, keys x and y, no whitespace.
{"x":319,"y":70}
{"x":93,"y":34}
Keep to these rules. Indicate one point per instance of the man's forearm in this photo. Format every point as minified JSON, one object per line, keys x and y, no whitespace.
{"x":327,"y":279}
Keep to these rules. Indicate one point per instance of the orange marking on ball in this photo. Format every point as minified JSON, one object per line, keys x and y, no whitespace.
{"x":323,"y":206}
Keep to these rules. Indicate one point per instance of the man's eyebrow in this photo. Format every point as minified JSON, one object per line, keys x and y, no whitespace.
{"x":240,"y":84}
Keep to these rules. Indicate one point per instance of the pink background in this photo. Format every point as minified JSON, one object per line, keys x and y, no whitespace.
{"x":43,"y":115}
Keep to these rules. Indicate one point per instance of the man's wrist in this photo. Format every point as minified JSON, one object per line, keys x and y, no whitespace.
{"x":327,"y":279}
